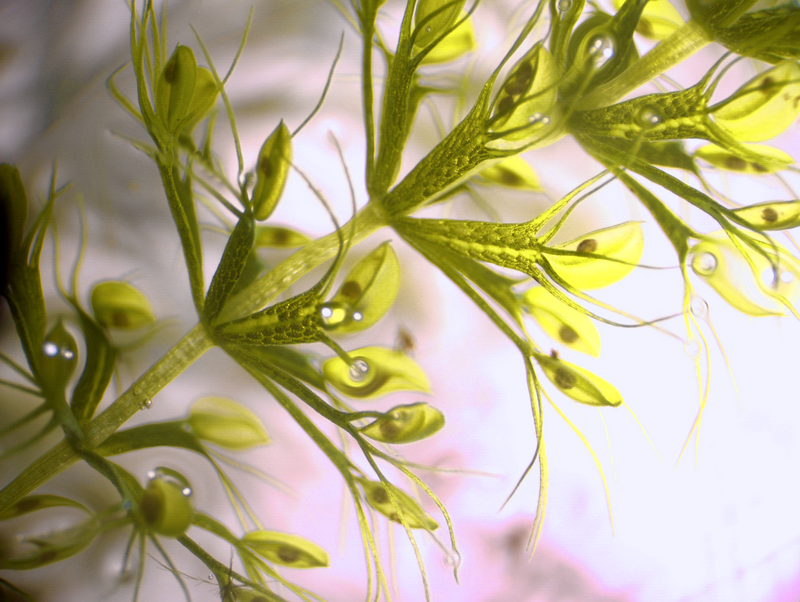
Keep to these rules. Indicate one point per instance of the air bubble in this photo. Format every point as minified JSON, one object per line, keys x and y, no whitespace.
{"x":427,"y":29}
{"x":698,"y":307}
{"x":602,"y":49}
{"x":535,"y":117}
{"x":357,"y":316}
{"x":359,"y":369}
{"x":67,"y":354}
{"x":146,"y":404}
{"x":691,"y":347}
{"x":211,"y":576}
{"x":452,"y":559}
{"x":564,"y":5}
{"x":186,"y":428}
{"x":186,"y":491}
{"x":50,"y":349}
{"x":649,"y":117}
{"x":333,"y":314}
{"x":136,"y":391}
{"x":151,"y":474}
{"x":704,"y":264}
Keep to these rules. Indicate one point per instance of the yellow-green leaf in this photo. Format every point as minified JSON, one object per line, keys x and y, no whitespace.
{"x":166,"y":507}
{"x":272,"y":171}
{"x":754,"y":291}
{"x":203,"y":99}
{"x":378,"y":498}
{"x":430,"y":26}
{"x":279,"y":237}
{"x":513,"y":172}
{"x":286,"y":549}
{"x":117,"y":304}
{"x":405,"y":424}
{"x":561,"y":322}
{"x":366,"y":294}
{"x":524,"y":109}
{"x":458,"y":42}
{"x":578,"y":384}
{"x":760,"y":158}
{"x":772,"y":215}
{"x":622,"y":245}
{"x":58,"y":359}
{"x":764,"y":107}
{"x":375,"y":371}
{"x":175,"y":88}
{"x":227,"y":423}
{"x":659,"y":19}
{"x":34,"y":503}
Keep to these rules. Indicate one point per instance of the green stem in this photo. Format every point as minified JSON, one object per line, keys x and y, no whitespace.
{"x":176,"y":360}
{"x":263,"y":290}
{"x":679,"y":46}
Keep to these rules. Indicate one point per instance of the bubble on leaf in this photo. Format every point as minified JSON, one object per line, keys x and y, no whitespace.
{"x":602,"y":49}
{"x":564,"y":5}
{"x":136,"y":391}
{"x":649,"y":116}
{"x":357,"y":316}
{"x":151,"y":474}
{"x":359,"y":369}
{"x":186,"y":491}
{"x":210,"y":577}
{"x":146,"y":404}
{"x":428,"y":28}
{"x":334,"y":313}
{"x":704,"y":264}
{"x":50,"y":349}
{"x":535,"y":117}
{"x":691,"y":347}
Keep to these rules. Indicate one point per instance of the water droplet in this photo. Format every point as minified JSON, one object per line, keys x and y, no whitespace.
{"x":691,"y":348}
{"x":564,"y":5}
{"x":357,"y":316}
{"x":211,"y":576}
{"x":704,"y":264}
{"x":452,"y":559}
{"x":602,"y":49}
{"x":698,"y":307}
{"x":186,"y":491}
{"x":333,"y":314}
{"x":50,"y":349}
{"x":359,"y":369}
{"x":151,"y":474}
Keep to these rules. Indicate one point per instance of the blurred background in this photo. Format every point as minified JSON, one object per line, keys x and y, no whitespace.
{"x":721,"y":524}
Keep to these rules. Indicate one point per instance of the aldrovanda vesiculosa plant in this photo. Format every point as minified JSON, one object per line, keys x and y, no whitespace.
{"x":572,"y":71}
